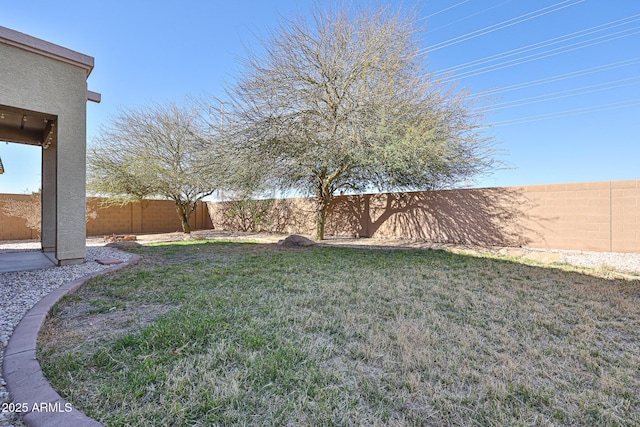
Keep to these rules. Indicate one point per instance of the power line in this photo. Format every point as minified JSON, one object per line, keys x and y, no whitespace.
{"x":564,"y":94}
{"x":559,"y":77}
{"x":539,"y":45}
{"x":568,"y":113}
{"x":465,"y":18}
{"x":444,"y":10}
{"x":546,"y":54}
{"x":501,"y":25}
{"x":543,"y":51}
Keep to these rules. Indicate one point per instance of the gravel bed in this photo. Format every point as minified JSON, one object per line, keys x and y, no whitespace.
{"x":19,"y":291}
{"x":623,"y":262}
{"x":617,"y":261}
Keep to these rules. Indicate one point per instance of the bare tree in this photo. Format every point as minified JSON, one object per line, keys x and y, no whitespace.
{"x":343,"y":102}
{"x":159,"y":151}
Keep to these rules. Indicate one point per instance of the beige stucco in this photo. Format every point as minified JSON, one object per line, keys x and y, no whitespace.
{"x":46,"y":83}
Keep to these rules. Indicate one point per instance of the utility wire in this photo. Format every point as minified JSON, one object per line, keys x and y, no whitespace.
{"x":546,"y":54}
{"x":465,"y":18}
{"x":568,"y":113}
{"x":565,"y":76}
{"x":564,"y":94}
{"x":444,"y":10}
{"x":539,"y":45}
{"x":501,"y":25}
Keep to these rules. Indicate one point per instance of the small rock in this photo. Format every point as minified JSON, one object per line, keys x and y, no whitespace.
{"x":296,"y":240}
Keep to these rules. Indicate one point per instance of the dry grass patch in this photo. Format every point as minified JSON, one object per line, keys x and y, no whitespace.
{"x":248,"y":334}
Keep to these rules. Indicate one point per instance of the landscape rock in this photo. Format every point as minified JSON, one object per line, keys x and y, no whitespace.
{"x":120,"y":238}
{"x":296,"y":240}
{"x":124,"y":244}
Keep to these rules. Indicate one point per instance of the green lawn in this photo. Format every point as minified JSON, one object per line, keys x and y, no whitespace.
{"x":215,"y":333}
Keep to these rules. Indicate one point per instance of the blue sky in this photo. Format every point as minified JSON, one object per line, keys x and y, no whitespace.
{"x":564,"y":74}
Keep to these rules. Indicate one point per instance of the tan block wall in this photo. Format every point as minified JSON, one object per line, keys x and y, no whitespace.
{"x":111,"y":220}
{"x":294,"y":215}
{"x":570,"y":216}
{"x":474,"y":216}
{"x":598,"y":216}
{"x":152,"y":216}
{"x":149,"y":216}
{"x":625,"y":213}
{"x":12,"y":228}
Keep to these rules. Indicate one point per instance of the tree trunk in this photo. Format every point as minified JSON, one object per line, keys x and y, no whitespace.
{"x":184,"y":211}
{"x":321,"y":220}
{"x":322,"y":206}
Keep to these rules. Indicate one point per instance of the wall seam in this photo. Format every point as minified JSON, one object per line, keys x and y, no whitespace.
{"x":610,"y":217}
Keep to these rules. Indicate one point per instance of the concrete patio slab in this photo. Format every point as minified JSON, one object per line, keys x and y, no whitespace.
{"x":25,"y":261}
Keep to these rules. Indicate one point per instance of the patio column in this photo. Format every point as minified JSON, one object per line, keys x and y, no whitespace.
{"x":70,"y":155}
{"x":48,"y":194}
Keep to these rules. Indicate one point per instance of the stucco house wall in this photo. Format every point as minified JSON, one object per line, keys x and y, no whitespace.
{"x":38,"y":76}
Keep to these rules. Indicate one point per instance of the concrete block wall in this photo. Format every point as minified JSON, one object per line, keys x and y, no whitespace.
{"x":12,"y":228}
{"x":597,"y":216}
{"x":571,"y":216}
{"x":293,"y":215}
{"x":625,"y":216}
{"x":160,"y":215}
{"x":114,"y":219}
{"x":150,"y":216}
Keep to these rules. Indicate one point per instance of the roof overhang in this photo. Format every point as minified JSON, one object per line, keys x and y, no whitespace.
{"x":50,"y":50}
{"x":27,"y":127}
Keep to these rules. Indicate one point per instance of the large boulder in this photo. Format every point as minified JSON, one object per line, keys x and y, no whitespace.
{"x":296,"y":240}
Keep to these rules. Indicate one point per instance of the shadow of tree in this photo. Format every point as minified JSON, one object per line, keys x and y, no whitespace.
{"x":494,"y":216}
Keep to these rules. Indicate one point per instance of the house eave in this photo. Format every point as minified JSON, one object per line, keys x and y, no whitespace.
{"x":32,"y":44}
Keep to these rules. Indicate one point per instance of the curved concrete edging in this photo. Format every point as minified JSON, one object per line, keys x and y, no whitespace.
{"x":26,"y":383}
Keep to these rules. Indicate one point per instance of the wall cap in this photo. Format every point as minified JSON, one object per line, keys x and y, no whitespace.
{"x":44,"y":48}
